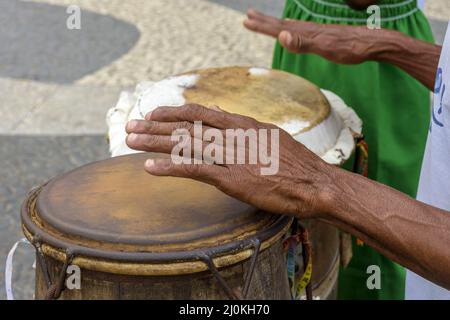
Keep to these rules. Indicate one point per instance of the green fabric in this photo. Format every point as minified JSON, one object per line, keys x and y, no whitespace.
{"x":394,"y":108}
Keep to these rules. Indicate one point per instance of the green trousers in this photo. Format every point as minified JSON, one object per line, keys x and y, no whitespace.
{"x":394,"y":108}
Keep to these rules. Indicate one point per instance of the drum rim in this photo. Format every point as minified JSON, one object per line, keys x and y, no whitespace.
{"x":147,"y":263}
{"x":76,"y":231}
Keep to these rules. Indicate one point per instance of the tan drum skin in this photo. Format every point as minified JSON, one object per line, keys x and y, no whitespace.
{"x":317,"y":118}
{"x":276,"y":97}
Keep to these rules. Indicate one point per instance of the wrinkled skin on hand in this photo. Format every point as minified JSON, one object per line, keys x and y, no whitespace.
{"x":360,"y":4}
{"x":297,"y":188}
{"x":351,"y":44}
{"x":410,"y":232}
{"x":337,"y":43}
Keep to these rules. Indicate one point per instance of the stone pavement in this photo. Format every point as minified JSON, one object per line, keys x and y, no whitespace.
{"x":28,"y":161}
{"x":56,"y":84}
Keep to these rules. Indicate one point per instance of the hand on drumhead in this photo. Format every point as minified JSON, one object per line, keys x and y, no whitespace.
{"x":295,"y":185}
{"x":337,"y":43}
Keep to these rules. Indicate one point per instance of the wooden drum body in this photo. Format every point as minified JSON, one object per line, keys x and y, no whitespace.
{"x":158,"y":237}
{"x":269,"y":282}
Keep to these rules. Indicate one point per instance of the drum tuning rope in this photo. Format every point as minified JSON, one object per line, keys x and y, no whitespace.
{"x":53,"y":290}
{"x":41,"y":260}
{"x":235,"y":294}
{"x":248,"y":277}
{"x":209,"y":262}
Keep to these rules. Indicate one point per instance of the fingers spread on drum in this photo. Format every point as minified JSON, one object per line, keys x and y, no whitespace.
{"x":178,"y":145}
{"x":202,"y":172}
{"x":159,"y":128}
{"x":150,"y":143}
{"x":209,"y":117}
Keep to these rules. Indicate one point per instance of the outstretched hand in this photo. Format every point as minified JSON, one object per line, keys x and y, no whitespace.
{"x":337,"y":43}
{"x":296,"y":187}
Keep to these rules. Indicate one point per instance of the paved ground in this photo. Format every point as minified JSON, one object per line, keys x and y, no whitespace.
{"x":69,"y":55}
{"x":29,"y":161}
{"x":56,"y":84}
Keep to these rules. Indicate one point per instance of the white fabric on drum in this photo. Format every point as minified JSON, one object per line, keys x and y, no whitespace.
{"x":331,"y":139}
{"x":9,"y":269}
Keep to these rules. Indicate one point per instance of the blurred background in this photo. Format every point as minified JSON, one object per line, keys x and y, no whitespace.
{"x":56,"y":84}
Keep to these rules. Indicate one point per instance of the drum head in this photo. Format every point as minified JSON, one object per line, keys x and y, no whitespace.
{"x":271,"y":96}
{"x":317,"y":118}
{"x":115,"y":210}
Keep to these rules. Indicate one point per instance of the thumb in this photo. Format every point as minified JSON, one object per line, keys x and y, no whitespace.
{"x":293,"y":42}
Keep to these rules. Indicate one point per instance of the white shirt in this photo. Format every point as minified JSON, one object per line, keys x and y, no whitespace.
{"x":434,"y":184}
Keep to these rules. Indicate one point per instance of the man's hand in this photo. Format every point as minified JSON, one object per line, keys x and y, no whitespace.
{"x":296,"y":189}
{"x":351,"y":44}
{"x":337,"y":43}
{"x":409,"y":232}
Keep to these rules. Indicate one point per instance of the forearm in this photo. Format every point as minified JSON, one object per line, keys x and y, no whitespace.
{"x":405,"y":230}
{"x":352,"y":44}
{"x":418,"y":58}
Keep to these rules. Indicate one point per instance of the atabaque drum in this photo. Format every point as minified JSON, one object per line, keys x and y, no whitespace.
{"x":317,"y":118}
{"x":137,"y":236}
